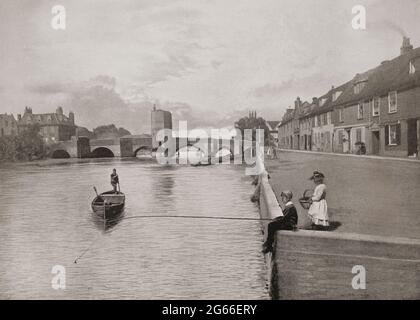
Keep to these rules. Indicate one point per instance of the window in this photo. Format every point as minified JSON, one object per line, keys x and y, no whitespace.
{"x":341,"y":115}
{"x":336,"y":95}
{"x":322,"y":102}
{"x":328,"y":117}
{"x":393,"y":134}
{"x":412,"y":68}
{"x":359,"y":135}
{"x":376,"y":103}
{"x":358,"y":87}
{"x":360,"y":111}
{"x":324,"y":119}
{"x":316,"y":121}
{"x":392,"y":102}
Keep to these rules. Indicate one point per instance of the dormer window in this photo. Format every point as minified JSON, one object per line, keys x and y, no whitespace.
{"x":336,"y":95}
{"x":414,"y":65}
{"x":358,"y":87}
{"x":322,"y":101}
{"x":412,"y":68}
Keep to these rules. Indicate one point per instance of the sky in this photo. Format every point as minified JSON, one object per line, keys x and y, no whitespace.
{"x":207,"y":61}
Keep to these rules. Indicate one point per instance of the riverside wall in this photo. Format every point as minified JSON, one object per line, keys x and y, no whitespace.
{"x":325,"y":265}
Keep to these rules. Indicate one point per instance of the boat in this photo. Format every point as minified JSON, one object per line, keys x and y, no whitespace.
{"x":109,"y":204}
{"x":200,"y":164}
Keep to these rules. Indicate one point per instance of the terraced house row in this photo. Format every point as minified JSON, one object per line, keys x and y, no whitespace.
{"x":377,"y":112}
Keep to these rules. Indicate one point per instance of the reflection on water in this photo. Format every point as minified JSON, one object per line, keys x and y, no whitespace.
{"x":46,"y":220}
{"x":107,"y":224}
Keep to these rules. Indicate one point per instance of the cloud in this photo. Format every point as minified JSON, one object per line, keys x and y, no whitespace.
{"x":273,"y":90}
{"x":96,"y":102}
{"x":47,"y":88}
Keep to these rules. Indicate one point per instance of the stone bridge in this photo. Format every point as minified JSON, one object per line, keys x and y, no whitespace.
{"x":83,"y":147}
{"x":131,"y":145}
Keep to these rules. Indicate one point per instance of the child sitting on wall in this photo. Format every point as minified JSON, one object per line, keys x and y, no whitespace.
{"x":287,"y":222}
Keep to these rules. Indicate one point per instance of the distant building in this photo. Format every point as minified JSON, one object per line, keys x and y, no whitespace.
{"x":53,"y":126}
{"x":285,"y":130}
{"x":382,"y":108}
{"x":160,"y":120}
{"x":306,"y":123}
{"x":273,"y":126}
{"x":8,"y":125}
{"x":325,"y":119}
{"x":377,"y":112}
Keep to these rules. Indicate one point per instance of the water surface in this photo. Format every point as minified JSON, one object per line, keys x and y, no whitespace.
{"x":46,"y":220}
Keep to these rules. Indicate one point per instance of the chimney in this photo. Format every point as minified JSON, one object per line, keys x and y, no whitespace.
{"x":71,"y":117}
{"x":406,"y":46}
{"x":19,"y":117}
{"x":298,"y":103}
{"x":59,"y":110}
{"x":315,"y":101}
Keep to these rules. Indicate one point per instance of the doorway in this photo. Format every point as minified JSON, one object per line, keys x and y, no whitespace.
{"x":310,"y":142}
{"x":412,"y":137}
{"x":375,"y":142}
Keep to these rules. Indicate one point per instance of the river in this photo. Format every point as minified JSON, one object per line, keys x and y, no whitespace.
{"x":46,"y":221}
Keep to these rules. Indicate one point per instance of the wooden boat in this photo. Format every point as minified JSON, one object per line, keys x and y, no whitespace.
{"x":200,"y":164}
{"x":108,"y":205}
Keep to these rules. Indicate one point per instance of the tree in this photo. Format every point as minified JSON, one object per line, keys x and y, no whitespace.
{"x":27,"y":145}
{"x":109,"y":131}
{"x":254,"y":123}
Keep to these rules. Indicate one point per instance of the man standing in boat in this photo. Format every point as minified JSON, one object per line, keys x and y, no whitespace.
{"x":114,"y":180}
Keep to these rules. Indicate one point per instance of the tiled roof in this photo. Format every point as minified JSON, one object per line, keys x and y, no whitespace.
{"x":389,"y":76}
{"x":329,"y":104}
{"x":45,"y":119}
{"x":8,"y":117}
{"x":288,"y":115}
{"x":273,"y":124}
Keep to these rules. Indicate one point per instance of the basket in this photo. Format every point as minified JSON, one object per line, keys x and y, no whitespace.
{"x":305,"y":201}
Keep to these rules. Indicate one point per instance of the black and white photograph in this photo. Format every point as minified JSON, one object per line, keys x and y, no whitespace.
{"x":210,"y":150}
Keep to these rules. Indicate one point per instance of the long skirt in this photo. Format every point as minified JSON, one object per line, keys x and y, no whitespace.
{"x":318,"y":212}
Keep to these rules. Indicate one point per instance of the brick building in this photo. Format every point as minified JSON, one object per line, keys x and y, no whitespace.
{"x":53,"y":126}
{"x":377,"y":112}
{"x":285,"y":130}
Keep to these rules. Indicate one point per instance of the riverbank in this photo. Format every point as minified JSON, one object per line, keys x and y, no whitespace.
{"x":322,"y":265}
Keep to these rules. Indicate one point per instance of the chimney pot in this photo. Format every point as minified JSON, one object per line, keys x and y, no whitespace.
{"x":406,"y":46}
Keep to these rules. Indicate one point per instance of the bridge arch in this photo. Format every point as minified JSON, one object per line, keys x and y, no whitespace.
{"x":60,"y":154}
{"x":188,"y":147}
{"x":223,"y":148}
{"x":141,"y":149}
{"x":102,"y":152}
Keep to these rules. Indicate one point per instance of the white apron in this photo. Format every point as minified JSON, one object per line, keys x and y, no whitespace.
{"x":318,"y":211}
